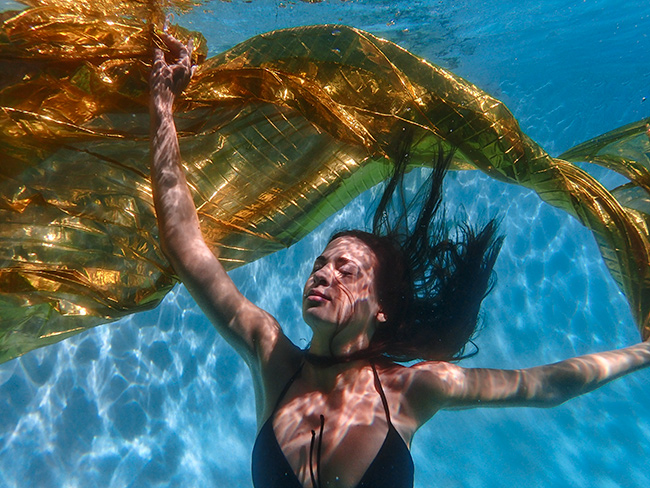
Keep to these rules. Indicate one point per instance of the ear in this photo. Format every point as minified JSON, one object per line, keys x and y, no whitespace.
{"x":381,"y":316}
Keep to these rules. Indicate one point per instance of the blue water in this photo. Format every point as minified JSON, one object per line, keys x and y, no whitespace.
{"x":158,"y":399}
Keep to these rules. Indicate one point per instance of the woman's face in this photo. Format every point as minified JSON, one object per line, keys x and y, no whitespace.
{"x":340,"y":291}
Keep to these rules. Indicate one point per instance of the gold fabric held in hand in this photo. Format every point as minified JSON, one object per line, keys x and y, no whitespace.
{"x":276,"y":134}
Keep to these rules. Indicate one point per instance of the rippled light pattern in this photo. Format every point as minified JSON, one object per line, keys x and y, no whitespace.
{"x":158,"y":399}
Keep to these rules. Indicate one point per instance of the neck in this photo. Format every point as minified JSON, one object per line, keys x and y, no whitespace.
{"x":339,"y":344}
{"x":326,"y":361}
{"x":327,"y":373}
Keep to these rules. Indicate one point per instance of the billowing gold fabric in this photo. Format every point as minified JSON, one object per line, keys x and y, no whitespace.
{"x":276,"y":134}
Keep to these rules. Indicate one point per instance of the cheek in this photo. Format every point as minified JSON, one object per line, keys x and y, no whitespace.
{"x":355,"y":296}
{"x":347,"y":293}
{"x":308,"y":283}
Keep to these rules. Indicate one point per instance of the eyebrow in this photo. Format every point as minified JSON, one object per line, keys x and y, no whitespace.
{"x":341,"y":259}
{"x":344,"y":260}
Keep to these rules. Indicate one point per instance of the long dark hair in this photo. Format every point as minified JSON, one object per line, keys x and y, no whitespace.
{"x":431,"y":279}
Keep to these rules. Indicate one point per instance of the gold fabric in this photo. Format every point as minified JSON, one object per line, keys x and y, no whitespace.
{"x":276,"y":134}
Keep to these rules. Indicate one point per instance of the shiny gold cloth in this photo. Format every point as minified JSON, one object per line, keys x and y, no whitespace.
{"x":276,"y":134}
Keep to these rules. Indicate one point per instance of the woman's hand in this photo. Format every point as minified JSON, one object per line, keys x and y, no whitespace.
{"x":168,"y":80}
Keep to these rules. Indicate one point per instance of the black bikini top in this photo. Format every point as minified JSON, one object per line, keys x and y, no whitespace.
{"x":391,"y":468}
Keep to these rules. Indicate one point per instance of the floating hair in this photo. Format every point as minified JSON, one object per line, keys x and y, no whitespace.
{"x":431,"y":279}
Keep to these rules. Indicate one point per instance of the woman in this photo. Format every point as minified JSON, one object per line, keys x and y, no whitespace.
{"x":344,"y":413}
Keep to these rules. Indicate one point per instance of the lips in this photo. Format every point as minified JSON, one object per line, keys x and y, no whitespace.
{"x":316,"y":295}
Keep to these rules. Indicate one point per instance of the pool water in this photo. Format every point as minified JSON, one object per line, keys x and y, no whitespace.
{"x":158,"y":399}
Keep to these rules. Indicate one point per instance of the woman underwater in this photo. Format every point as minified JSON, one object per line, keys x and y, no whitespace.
{"x":343,"y":413}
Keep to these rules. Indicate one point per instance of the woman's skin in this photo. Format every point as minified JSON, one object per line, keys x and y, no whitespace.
{"x":340,"y":305}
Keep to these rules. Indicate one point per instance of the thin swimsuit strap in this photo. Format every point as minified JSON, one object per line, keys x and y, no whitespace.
{"x":287,"y":386}
{"x":380,"y":389}
{"x":316,"y":479}
{"x":392,"y":466}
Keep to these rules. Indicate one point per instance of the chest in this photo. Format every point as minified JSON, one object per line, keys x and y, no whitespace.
{"x":336,"y":434}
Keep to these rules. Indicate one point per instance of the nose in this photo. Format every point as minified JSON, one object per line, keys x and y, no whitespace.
{"x":322,"y":276}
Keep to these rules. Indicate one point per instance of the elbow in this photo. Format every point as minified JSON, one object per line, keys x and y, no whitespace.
{"x":174,"y":261}
{"x":544,"y":400}
{"x":551,"y":386}
{"x":170,"y":251}
{"x":543,"y":392}
{"x":171,"y":256}
{"x":553,"y":395}
{"x":552,"y":401}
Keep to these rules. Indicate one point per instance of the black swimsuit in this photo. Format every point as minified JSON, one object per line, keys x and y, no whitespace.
{"x":391,"y":468}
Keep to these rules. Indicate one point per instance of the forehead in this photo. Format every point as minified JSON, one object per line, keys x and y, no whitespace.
{"x":348,"y":247}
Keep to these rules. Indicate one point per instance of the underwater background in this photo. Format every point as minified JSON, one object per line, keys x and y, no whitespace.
{"x":158,"y":399}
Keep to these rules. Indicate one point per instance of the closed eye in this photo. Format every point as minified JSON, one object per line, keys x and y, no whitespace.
{"x":349,"y":269}
{"x":318,"y":264}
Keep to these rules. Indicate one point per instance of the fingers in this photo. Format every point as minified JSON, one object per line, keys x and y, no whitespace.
{"x":158,"y":54}
{"x":176,"y":47}
{"x":179,"y":53}
{"x":174,"y":66}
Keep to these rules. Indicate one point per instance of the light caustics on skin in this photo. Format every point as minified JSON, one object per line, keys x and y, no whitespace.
{"x":352,"y":415}
{"x":341,"y":306}
{"x":543,"y":386}
{"x":339,"y":294}
{"x":290,"y":126}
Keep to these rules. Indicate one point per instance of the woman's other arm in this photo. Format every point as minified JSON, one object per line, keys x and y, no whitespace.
{"x":251,"y":331}
{"x":440,"y":385}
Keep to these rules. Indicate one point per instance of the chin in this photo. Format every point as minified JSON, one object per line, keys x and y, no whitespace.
{"x":317,"y":323}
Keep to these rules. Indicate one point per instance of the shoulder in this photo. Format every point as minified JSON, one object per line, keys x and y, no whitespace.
{"x":429,"y":387}
{"x":436,"y":378}
{"x":430,"y":382}
{"x":421,"y":389}
{"x":436,"y":371}
{"x":393,"y":375}
{"x":422,"y":374}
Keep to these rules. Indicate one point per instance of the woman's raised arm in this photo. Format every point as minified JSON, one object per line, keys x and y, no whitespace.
{"x":251,"y":331}
{"x":439,"y":385}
